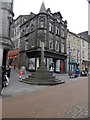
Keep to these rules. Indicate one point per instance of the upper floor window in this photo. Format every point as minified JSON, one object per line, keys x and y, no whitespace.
{"x":26,"y":45}
{"x":57,"y":46}
{"x":78,"y":53}
{"x":78,"y":42}
{"x":74,"y":40}
{"x":57,"y":30}
{"x":41,"y":24}
{"x":50,"y":27}
{"x":51,"y":44}
{"x":83,"y":54}
{"x":74,"y":52}
{"x":83,"y":43}
{"x":62,"y":47}
{"x":62,"y":33}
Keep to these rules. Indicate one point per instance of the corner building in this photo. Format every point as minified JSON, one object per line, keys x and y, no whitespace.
{"x":54,"y":29}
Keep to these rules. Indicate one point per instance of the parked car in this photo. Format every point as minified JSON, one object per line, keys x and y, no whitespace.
{"x":83,"y":73}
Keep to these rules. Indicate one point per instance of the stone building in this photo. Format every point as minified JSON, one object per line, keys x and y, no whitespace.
{"x":54,"y":29}
{"x":73,"y":51}
{"x":15,"y":37}
{"x":85,"y":36}
{"x":6,"y":17}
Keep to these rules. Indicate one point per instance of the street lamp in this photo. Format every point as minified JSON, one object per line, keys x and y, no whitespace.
{"x":69,"y":73}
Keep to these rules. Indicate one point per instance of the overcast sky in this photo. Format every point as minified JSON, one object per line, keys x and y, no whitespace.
{"x":74,"y":11}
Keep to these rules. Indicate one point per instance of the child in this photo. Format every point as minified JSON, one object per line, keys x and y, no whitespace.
{"x":20,"y":73}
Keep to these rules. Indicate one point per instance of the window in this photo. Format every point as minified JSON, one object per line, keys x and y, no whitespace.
{"x":26,"y":45}
{"x":57,"y":46}
{"x":32,"y":27}
{"x":62,"y":47}
{"x":62,"y":33}
{"x":74,"y":52}
{"x":78,"y":42}
{"x":83,"y":43}
{"x":51,"y":44}
{"x":74,"y":40}
{"x":57,"y":30}
{"x":78,"y":53}
{"x":50,"y":27}
{"x":83,"y":54}
{"x":42,"y":24}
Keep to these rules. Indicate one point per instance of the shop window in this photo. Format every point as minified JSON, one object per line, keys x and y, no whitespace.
{"x":57,"y":68}
{"x":32,"y":64}
{"x":51,"y":44}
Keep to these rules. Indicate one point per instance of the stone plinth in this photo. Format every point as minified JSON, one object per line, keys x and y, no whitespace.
{"x":42,"y":77}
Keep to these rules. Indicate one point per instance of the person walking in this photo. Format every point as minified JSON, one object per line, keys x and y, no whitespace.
{"x":8,"y":71}
{"x":20,"y":73}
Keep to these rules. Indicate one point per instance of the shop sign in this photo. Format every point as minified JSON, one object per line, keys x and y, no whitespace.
{"x":74,"y":61}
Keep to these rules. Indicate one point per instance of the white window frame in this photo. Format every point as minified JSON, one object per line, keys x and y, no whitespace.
{"x":50,"y":44}
{"x":56,"y":45}
{"x":62,"y":47}
{"x":50,"y":27}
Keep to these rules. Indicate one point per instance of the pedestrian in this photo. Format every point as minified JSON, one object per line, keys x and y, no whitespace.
{"x":8,"y":71}
{"x":3,"y":75}
{"x":79,"y":69}
{"x":20,"y":73}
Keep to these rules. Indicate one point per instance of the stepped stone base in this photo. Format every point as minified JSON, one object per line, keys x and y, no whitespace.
{"x":42,"y":77}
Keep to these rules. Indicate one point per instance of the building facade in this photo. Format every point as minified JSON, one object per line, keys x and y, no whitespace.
{"x":7,"y":14}
{"x":15,"y":37}
{"x":85,"y":35}
{"x":84,"y":54}
{"x":54,"y":29}
{"x":73,"y":52}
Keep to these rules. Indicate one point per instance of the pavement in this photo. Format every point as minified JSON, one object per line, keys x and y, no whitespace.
{"x":68,"y":100}
{"x":15,"y":87}
{"x":61,"y":101}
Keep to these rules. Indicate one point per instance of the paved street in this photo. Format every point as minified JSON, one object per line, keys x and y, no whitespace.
{"x":68,"y":100}
{"x":61,"y":101}
{"x":15,"y":87}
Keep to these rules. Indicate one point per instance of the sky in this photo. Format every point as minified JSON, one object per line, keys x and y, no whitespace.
{"x":74,"y":11}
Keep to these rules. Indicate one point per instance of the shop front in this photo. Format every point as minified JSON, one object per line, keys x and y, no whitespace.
{"x":14,"y":57}
{"x":73,"y":65}
{"x":53,"y":62}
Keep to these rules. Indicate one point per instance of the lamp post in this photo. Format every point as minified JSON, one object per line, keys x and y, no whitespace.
{"x":69,"y":73}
